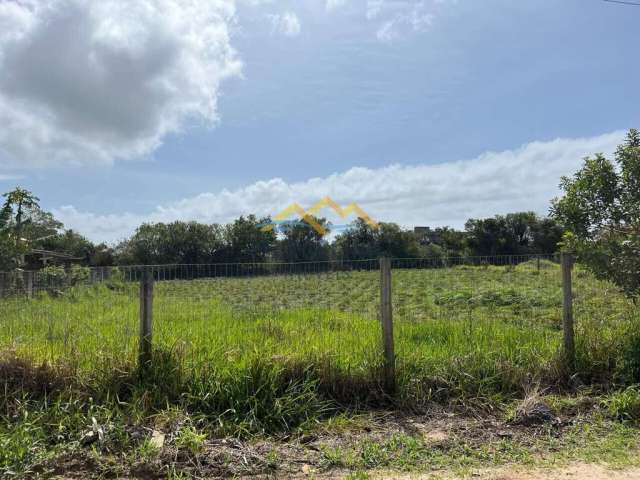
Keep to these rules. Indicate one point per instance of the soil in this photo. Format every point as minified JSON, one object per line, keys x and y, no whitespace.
{"x":575,"y":471}
{"x":301,"y":456}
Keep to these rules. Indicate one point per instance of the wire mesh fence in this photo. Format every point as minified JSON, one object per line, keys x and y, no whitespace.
{"x":322,"y":313}
{"x":486,"y":311}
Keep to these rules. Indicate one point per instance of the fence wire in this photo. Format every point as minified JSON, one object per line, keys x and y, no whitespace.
{"x":321,"y":313}
{"x":81,"y":326}
{"x":483,"y":315}
{"x":489,"y":314}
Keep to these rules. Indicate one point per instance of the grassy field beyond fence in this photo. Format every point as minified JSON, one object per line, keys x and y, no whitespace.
{"x":459,"y":331}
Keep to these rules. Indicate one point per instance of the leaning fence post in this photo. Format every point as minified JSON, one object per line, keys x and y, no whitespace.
{"x":386,"y":316}
{"x":146,"y":317}
{"x":566,"y":261}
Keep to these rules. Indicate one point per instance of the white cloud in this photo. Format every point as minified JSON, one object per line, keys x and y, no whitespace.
{"x":287,"y":24}
{"x":443,"y":194}
{"x":401,"y":16}
{"x":334,"y":4}
{"x":86,"y":82}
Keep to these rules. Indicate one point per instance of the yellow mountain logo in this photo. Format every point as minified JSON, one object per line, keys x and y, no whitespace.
{"x":308,"y":216}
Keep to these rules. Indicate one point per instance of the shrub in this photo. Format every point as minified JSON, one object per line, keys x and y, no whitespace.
{"x":624,"y":405}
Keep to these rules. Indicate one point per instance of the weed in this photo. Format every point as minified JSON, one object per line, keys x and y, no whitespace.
{"x":147,"y":450}
{"x":624,"y":405}
{"x":191,"y":440}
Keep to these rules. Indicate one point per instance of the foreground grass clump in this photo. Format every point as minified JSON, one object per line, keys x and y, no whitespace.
{"x":81,"y":437}
{"x":625,"y":404}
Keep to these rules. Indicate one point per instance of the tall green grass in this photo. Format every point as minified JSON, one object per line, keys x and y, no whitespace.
{"x":270,"y":353}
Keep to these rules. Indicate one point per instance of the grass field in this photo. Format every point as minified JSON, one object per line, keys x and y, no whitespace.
{"x":479,"y":330}
{"x":278,"y":353}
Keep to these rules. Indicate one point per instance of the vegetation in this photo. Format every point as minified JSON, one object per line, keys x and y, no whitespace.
{"x":21,"y":223}
{"x":305,"y":340}
{"x":24,"y":226}
{"x":263,"y":350}
{"x":289,"y":353}
{"x":246,"y":241}
{"x":601,"y":209}
{"x":513,"y":234}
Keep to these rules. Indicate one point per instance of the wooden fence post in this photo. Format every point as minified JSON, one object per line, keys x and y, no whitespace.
{"x":386,"y":316}
{"x":28,"y":284}
{"x":146,"y":317}
{"x":566,"y":262}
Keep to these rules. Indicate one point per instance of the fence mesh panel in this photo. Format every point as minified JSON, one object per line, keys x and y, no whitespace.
{"x":489,"y":318}
{"x":232,"y":314}
{"x":80,"y":325}
{"x":494,"y":316}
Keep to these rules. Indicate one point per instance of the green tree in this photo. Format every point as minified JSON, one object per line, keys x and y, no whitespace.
{"x":519,"y":233}
{"x":453,"y":242}
{"x":601,"y":210}
{"x":172,"y":243}
{"x":362,"y":241}
{"x":247,"y":241}
{"x":488,"y":236}
{"x":22,"y":224}
{"x":302,"y":243}
{"x":547,"y":235}
{"x":73,"y":243}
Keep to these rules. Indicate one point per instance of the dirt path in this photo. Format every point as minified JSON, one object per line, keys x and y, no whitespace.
{"x":576,"y":471}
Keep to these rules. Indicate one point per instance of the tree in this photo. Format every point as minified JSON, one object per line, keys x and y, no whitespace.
{"x":362,"y":241}
{"x":601,"y":210}
{"x":547,"y":235}
{"x":172,"y":243}
{"x":303,"y":243}
{"x":17,"y":202}
{"x":22,"y":224}
{"x":488,"y":237}
{"x":73,"y":243}
{"x":453,"y":242}
{"x":247,"y":241}
{"x":519,"y":233}
{"x":358,"y":242}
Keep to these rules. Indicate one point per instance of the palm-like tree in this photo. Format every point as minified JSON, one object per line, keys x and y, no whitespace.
{"x":12,"y":217}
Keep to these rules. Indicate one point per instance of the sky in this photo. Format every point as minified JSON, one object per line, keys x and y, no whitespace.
{"x":424,"y":112}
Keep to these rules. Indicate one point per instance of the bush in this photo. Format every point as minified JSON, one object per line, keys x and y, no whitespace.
{"x":624,"y":405}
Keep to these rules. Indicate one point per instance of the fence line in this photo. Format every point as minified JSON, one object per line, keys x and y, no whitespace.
{"x":155,"y":288}
{"x":32,"y":281}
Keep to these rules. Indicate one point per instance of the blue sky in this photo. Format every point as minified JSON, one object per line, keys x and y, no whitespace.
{"x":445,"y":108}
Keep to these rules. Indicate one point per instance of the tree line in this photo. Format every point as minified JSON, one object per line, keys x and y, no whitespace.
{"x":25,"y":228}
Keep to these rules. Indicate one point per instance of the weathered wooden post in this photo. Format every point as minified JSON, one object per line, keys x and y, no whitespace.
{"x":28,"y":284}
{"x":146,"y":317}
{"x":566,"y":263}
{"x":386,"y":316}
